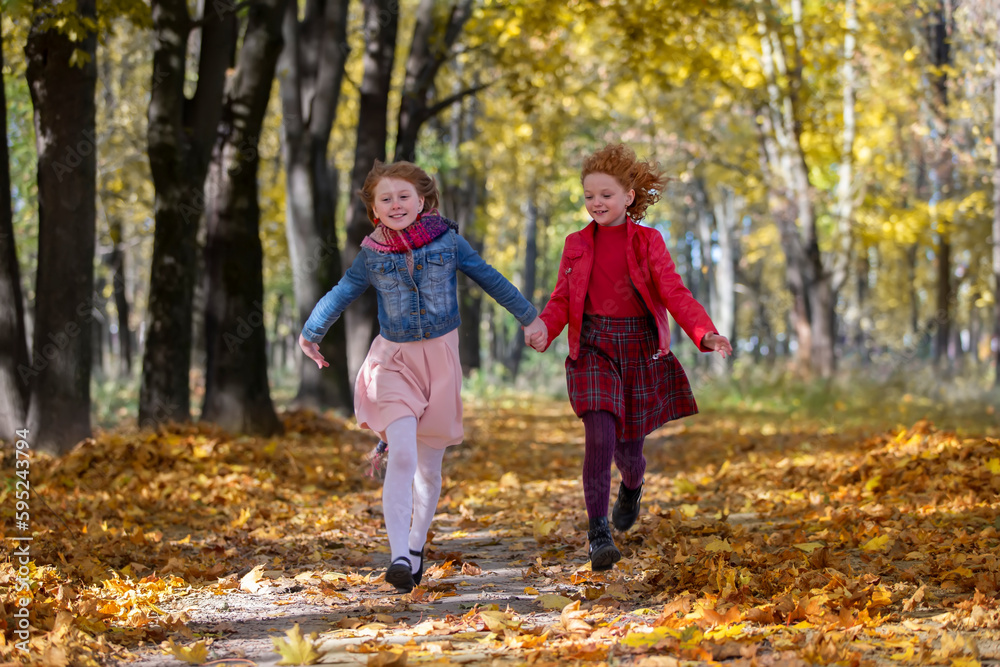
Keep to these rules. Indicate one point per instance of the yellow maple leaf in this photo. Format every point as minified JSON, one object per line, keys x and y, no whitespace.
{"x":993,"y":465}
{"x":876,"y":543}
{"x":649,"y":639}
{"x":394,"y":657}
{"x":296,"y":649}
{"x":553,"y":601}
{"x":718,"y":545}
{"x":195,"y":654}
{"x":530,"y":590}
{"x":809,"y":547}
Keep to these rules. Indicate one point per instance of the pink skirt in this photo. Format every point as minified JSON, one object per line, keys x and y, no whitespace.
{"x":422,"y":379}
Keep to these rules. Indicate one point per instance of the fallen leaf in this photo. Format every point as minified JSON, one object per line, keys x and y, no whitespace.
{"x":296,"y":649}
{"x":553,"y":601}
{"x":195,"y":654}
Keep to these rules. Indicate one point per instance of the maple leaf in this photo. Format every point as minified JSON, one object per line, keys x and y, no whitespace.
{"x":296,"y":649}
{"x":553,"y":601}
{"x":394,"y":657}
{"x":195,"y":654}
{"x":717,"y":545}
{"x":251,"y":580}
{"x":876,"y":543}
{"x":572,"y":618}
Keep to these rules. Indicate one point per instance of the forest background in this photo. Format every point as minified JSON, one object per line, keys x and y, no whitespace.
{"x":181,"y":185}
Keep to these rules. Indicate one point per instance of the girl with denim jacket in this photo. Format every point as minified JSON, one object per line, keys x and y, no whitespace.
{"x":409,"y":388}
{"x":616,"y":283}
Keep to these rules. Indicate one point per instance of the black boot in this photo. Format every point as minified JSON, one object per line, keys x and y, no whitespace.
{"x":626,"y":509}
{"x":603,"y":552}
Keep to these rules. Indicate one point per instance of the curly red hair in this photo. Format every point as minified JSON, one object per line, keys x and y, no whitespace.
{"x":644,"y":176}
{"x":422,"y":182}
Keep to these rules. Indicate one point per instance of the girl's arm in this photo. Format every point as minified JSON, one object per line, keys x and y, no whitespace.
{"x":329,"y":309}
{"x":556,"y":311}
{"x":493,"y":282}
{"x":684,"y":308}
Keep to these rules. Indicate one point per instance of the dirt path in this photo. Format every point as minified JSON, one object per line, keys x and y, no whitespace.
{"x":487,"y":571}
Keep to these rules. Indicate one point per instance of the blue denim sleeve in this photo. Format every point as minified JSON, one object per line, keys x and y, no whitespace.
{"x":493,"y":282}
{"x":334,"y":302}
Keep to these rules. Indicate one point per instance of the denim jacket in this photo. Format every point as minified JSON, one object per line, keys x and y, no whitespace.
{"x":422,"y":306}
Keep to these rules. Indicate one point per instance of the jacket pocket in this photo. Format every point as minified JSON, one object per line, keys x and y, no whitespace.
{"x":441,"y":266}
{"x":383,"y":274}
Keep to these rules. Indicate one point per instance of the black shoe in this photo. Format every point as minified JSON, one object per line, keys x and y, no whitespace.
{"x":419,"y":574}
{"x":626,"y":509}
{"x":603,"y":552}
{"x":400,"y":574}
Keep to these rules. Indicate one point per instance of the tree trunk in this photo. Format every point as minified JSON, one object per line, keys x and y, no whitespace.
{"x":116,"y":263}
{"x":429,"y":49}
{"x":727,"y":216}
{"x":62,"y":94}
{"x":996,"y":213}
{"x":311,"y":72}
{"x":381,"y":23}
{"x":515,"y":351}
{"x":461,"y":192}
{"x":939,"y":29}
{"x":237,"y":394}
{"x":180,"y":134}
{"x":13,"y":342}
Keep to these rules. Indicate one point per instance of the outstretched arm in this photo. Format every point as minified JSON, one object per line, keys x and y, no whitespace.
{"x":494,"y":283}
{"x":330,"y":308}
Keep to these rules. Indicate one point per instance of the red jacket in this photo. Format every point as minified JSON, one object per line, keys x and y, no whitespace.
{"x":653,"y":274}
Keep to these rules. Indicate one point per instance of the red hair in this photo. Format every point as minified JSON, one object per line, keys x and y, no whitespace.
{"x":422,"y":182}
{"x":644,"y":176}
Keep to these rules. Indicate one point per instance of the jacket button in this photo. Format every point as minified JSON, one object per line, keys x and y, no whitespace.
{"x":419,"y":266}
{"x":423,"y":311}
{"x":427,"y":335}
{"x":413,"y":289}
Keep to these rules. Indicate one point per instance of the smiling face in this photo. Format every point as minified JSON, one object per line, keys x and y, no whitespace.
{"x":397,"y":203}
{"x":606,"y":199}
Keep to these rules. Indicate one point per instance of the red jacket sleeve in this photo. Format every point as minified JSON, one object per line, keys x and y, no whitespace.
{"x":677,"y":298}
{"x":556,"y":311}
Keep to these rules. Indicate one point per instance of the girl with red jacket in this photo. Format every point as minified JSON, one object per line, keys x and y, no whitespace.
{"x":616,"y":283}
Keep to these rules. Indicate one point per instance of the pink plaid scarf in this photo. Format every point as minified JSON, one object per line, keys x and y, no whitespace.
{"x":427,"y":227}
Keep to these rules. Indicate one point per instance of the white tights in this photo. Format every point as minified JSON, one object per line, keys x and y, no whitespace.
{"x":411,"y":489}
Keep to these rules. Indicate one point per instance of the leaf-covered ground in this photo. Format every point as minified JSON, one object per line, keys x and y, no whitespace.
{"x":760,"y":543}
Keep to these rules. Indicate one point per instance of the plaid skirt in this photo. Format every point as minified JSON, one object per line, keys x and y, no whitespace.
{"x":615,"y":371}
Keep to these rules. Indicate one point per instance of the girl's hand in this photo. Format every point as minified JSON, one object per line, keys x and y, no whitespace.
{"x":536,"y":334}
{"x":312,"y":351}
{"x":717,"y":343}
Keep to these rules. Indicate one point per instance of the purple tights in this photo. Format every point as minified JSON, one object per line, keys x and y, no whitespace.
{"x":602,"y":445}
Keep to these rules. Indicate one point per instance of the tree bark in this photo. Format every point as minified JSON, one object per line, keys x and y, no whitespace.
{"x":62,"y":95}
{"x":180,"y":136}
{"x":996,"y":212}
{"x":515,"y":351}
{"x":311,"y":71}
{"x":939,"y":32}
{"x":13,"y":342}
{"x":237,"y":395}
{"x":381,"y":23}
{"x":116,"y":263}
{"x":727,"y":216}
{"x":429,"y":50}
